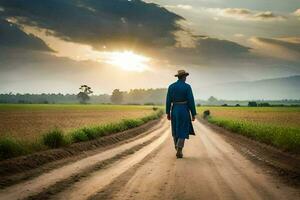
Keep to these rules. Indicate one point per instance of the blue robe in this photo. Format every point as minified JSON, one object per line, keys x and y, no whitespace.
{"x":181,"y":113}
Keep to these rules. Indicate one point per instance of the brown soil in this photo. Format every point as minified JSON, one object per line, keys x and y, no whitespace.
{"x":29,"y":125}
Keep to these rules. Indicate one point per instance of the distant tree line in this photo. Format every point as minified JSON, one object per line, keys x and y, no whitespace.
{"x":134,"y":96}
{"x":50,"y":98}
{"x":213,"y":101}
{"x":139,"y":96}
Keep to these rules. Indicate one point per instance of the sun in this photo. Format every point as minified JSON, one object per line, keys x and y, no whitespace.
{"x":129,"y":61}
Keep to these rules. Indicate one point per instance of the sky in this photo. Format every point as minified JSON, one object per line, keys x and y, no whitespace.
{"x":55,"y":46}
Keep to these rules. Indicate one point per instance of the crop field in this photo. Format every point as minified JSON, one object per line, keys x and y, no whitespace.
{"x":278,"y":126}
{"x":25,"y":129}
{"x":28,"y":121}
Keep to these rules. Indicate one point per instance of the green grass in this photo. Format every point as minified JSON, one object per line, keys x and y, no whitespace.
{"x":286,"y":138}
{"x":54,"y":138}
{"x":79,"y":136}
{"x":89,"y":133}
{"x":11,"y":147}
{"x":277,"y":126}
{"x":200,"y":109}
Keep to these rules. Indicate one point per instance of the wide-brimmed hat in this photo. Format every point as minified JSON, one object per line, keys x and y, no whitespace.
{"x":181,"y":73}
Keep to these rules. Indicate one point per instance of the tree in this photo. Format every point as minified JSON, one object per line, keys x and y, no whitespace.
{"x":116,"y":97}
{"x":252,"y":104}
{"x":84,"y":93}
{"x":266,"y":104}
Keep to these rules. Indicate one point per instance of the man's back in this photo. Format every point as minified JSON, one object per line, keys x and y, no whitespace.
{"x":179,"y":91}
{"x":180,"y":108}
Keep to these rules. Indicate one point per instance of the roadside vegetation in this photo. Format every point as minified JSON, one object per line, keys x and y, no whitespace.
{"x":276,"y":126}
{"x":55,"y":138}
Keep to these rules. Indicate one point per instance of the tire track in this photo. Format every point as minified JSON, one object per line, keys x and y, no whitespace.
{"x":99,"y":179}
{"x":39,"y":184}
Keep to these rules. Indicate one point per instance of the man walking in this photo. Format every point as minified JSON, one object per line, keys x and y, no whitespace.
{"x":180,"y":109}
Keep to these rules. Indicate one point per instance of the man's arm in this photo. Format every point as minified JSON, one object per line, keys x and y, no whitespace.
{"x":191,"y":103}
{"x":168,"y":104}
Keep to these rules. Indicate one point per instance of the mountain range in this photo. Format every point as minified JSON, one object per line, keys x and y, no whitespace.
{"x":266,"y":89}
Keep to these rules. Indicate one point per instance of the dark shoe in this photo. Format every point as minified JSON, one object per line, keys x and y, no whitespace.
{"x":179,"y":153}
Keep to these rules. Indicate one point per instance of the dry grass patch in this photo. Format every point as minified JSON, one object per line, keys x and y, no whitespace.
{"x":283,"y":116}
{"x":30,"y":121}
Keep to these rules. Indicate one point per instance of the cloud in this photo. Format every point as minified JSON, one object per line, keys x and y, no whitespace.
{"x":180,"y":6}
{"x":293,"y":43}
{"x":12,"y":36}
{"x":247,"y":14}
{"x":284,"y":48}
{"x":290,"y":39}
{"x":297,"y":12}
{"x":268,"y":15}
{"x":158,"y":32}
{"x":237,"y":11}
{"x":207,"y":51}
{"x":185,"y":7}
{"x":113,"y":23}
{"x":90,"y":25}
{"x":218,"y":47}
{"x":239,"y":35}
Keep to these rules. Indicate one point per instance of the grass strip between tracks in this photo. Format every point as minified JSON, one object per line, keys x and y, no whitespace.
{"x":13,"y":147}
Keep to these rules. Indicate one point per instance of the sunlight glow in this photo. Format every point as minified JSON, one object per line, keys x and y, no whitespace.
{"x":128,"y":60}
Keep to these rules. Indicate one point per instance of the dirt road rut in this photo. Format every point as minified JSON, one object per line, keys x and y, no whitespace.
{"x":211,"y":169}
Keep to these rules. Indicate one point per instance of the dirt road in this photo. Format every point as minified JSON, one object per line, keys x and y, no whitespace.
{"x":148,"y":169}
